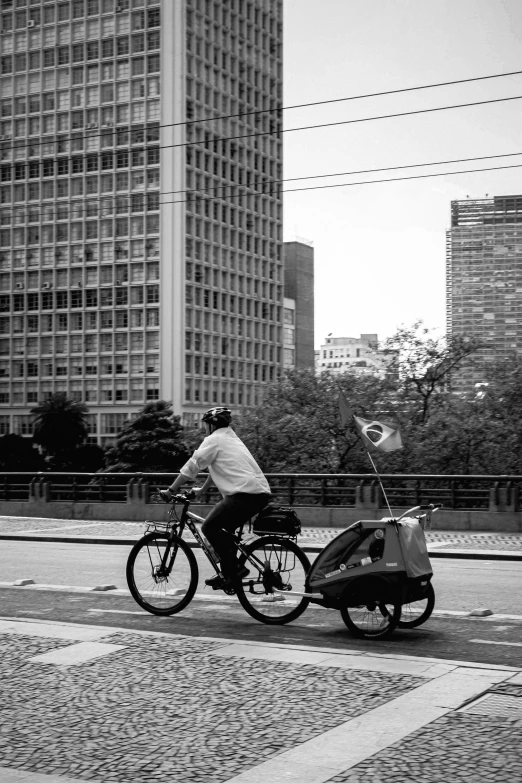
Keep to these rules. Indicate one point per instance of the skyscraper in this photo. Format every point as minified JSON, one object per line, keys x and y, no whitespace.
{"x":140,"y":225}
{"x":484,"y":280}
{"x":298,"y":350}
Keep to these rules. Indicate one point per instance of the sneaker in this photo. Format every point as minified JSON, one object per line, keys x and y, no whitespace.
{"x":219,"y":582}
{"x":216,"y":582}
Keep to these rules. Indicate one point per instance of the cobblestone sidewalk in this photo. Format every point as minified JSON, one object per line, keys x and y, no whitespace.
{"x":83,"y":703}
{"x":64,"y":528}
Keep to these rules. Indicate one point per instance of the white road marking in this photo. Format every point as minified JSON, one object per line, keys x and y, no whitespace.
{"x":489,"y":641}
{"x":114,"y":611}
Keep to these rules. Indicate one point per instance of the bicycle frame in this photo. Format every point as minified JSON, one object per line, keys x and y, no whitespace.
{"x":191,"y":520}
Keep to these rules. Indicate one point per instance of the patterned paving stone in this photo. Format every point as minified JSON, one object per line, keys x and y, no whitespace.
{"x":457,"y":748}
{"x":166,"y":709}
{"x":77,"y":527}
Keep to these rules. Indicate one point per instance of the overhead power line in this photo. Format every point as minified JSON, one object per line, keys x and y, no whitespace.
{"x":361,"y":96}
{"x":261,"y":183}
{"x":270,"y":186}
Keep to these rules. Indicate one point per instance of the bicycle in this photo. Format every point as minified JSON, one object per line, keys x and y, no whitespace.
{"x":163,"y":573}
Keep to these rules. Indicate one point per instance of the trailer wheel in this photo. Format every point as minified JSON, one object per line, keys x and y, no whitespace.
{"x":375,"y":619}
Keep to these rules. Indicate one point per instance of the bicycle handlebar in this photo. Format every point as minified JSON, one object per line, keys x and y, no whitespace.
{"x":181,"y":497}
{"x":429,"y":507}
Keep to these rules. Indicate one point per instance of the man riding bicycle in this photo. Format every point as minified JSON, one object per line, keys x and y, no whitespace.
{"x":238,"y":477}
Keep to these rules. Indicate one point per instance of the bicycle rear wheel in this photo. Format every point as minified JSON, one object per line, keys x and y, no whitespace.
{"x":160,"y":587}
{"x":285,"y":567}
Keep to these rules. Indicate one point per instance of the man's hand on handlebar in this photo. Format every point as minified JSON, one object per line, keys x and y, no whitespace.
{"x":168,"y":496}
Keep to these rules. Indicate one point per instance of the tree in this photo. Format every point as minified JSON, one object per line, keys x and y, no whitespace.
{"x":152,"y":442}
{"x":19,"y":454}
{"x":297,"y":427}
{"x":89,"y":458}
{"x":60,"y":426}
{"x":423,"y":363}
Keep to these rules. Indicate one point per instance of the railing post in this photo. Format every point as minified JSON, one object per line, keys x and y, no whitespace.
{"x":130,"y":490}
{"x":494,"y":497}
{"x":417,"y":493}
{"x":324,"y":499}
{"x":359,"y":495}
{"x":34,"y":493}
{"x":45,"y":490}
{"x":291,"y":490}
{"x":143,"y":490}
{"x":453,"y":495}
{"x":374,"y":489}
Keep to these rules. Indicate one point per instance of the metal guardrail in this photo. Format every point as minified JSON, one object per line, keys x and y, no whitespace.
{"x":304,"y":489}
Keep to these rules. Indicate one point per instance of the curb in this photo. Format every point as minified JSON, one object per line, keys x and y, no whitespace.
{"x":112,"y":629}
{"x":461,"y":554}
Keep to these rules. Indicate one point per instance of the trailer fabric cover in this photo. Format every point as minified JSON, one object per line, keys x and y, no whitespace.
{"x":414,"y":548}
{"x":334,"y":552}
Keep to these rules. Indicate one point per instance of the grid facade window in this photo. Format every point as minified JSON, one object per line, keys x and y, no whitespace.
{"x":484,"y":280}
{"x":76,"y":58}
{"x":81,"y":208}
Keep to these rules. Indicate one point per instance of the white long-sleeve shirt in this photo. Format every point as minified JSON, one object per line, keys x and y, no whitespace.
{"x":231,"y":466}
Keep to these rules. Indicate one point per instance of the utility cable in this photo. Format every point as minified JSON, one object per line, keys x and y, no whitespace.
{"x":195,"y":196}
{"x":274,"y":108}
{"x":104,"y":200}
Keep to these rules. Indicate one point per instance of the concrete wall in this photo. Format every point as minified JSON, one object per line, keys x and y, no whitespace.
{"x":137,"y":510}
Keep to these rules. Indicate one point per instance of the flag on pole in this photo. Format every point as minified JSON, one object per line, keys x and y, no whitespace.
{"x":378,"y":435}
{"x":374,"y":434}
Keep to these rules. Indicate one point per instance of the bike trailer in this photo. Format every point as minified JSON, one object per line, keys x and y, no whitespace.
{"x":371,"y":556}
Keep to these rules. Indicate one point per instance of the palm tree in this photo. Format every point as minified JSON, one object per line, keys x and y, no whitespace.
{"x":59,"y":424}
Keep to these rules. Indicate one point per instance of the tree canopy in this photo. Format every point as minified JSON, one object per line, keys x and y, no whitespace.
{"x":59,"y":427}
{"x":18,"y":453}
{"x":152,"y":442}
{"x":297,"y":428}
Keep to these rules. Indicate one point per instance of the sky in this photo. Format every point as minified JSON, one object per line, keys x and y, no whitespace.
{"x":380,"y":248}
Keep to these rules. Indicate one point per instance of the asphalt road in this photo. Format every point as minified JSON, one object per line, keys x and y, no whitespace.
{"x":456,"y":639}
{"x":460,"y":585}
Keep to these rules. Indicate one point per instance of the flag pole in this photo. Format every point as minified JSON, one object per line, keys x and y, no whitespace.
{"x":380,"y":482}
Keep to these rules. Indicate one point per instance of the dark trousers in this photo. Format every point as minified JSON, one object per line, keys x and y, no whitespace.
{"x":225,"y":517}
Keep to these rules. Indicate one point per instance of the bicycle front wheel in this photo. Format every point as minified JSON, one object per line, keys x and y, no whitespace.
{"x":277,"y":566}
{"x":162,"y":576}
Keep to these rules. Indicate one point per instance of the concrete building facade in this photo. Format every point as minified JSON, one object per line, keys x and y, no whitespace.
{"x":140,"y":229}
{"x":484,"y":280}
{"x":354,"y":354}
{"x":298,"y":332}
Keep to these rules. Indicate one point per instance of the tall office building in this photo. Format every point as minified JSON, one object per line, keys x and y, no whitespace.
{"x":298,"y":336}
{"x":140,"y":238}
{"x":484,"y":280}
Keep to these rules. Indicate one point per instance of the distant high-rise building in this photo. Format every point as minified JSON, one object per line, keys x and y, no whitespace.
{"x":298,"y":350}
{"x":140,"y":227}
{"x":484,"y":280}
{"x":353,"y":354}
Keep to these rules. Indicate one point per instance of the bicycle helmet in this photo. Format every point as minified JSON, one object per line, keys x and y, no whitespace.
{"x":219,"y":416}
